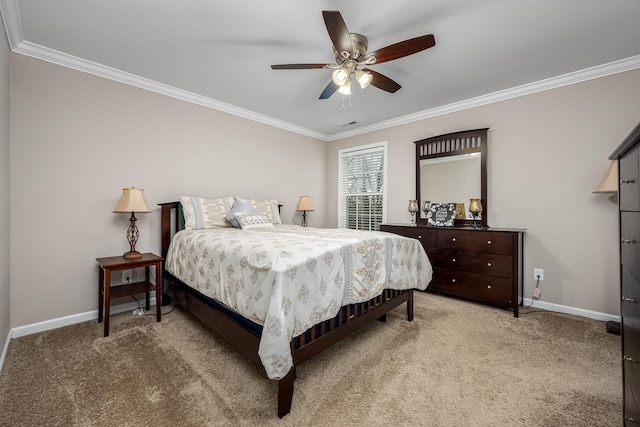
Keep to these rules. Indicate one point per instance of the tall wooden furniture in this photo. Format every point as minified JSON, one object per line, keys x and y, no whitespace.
{"x":628,"y":156}
{"x":481,"y":264}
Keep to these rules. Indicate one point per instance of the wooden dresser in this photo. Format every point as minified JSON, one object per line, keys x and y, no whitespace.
{"x":482,"y":264}
{"x":628,"y":156}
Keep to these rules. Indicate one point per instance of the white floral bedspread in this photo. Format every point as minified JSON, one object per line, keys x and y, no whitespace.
{"x":289,"y":278}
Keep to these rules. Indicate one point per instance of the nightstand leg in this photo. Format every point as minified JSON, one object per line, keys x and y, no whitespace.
{"x":147,"y":295}
{"x":107,"y":300}
{"x":100,"y":293}
{"x":158,"y":290}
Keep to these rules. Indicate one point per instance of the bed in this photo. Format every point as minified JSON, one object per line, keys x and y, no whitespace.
{"x":282,"y":293}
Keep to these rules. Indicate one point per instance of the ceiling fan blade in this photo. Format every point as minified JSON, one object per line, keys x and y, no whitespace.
{"x":329,"y":90}
{"x":337,"y":30}
{"x":404,"y":48}
{"x":297,"y":66}
{"x":383,"y":82}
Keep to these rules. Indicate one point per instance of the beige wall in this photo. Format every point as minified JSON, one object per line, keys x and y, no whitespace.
{"x":77,"y":140}
{"x":547,"y":151}
{"x":5,"y":307}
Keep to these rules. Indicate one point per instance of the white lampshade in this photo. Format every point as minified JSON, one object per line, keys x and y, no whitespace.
{"x":132,"y":200}
{"x":345,"y":89}
{"x":609,"y":183}
{"x":339,"y":76}
{"x":363,"y":78}
{"x":305,"y":204}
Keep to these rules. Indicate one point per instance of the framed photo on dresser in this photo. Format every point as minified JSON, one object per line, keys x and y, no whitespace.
{"x":441,"y":214}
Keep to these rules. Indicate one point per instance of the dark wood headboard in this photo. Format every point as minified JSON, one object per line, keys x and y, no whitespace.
{"x":166,"y":224}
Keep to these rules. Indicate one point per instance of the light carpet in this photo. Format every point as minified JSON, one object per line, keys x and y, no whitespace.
{"x":457,"y":364}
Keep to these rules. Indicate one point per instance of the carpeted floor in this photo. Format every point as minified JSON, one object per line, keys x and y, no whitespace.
{"x":456,"y":364}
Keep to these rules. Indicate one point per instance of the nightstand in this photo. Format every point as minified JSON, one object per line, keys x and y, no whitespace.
{"x":106,"y":292}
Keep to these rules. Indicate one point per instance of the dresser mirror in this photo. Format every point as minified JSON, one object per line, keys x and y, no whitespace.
{"x":452,"y":168}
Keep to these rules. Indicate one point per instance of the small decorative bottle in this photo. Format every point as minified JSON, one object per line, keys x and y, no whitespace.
{"x":413,"y":208}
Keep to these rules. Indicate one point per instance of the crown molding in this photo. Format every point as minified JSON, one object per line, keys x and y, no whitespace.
{"x":610,"y":68}
{"x":69,"y":61}
{"x":11,"y":19}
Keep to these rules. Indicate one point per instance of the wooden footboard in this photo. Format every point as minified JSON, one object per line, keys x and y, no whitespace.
{"x":313,"y":341}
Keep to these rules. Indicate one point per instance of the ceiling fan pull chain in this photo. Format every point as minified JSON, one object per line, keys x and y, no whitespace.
{"x":349,"y":101}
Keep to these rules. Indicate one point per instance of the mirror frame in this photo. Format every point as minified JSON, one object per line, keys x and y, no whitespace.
{"x":453,"y":144}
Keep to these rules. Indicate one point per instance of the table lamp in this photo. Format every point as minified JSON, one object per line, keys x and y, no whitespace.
{"x":304,"y":205}
{"x":609,"y":183}
{"x":132,"y":200}
{"x":475,"y":208}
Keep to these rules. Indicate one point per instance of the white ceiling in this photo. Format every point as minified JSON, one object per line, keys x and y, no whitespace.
{"x":218,"y":53}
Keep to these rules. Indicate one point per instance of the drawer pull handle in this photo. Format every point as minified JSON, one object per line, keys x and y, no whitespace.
{"x":625,"y":241}
{"x":453,"y":260}
{"x":419,"y":237}
{"x":488,"y":286}
{"x":453,"y":280}
{"x":627,"y":181}
{"x":488,"y":242}
{"x":625,"y":299}
{"x":454,"y":239}
{"x":489,"y":264}
{"x":628,"y":359}
{"x":627,"y":418}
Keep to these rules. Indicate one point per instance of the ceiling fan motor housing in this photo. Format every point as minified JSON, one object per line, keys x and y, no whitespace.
{"x":360,"y":46}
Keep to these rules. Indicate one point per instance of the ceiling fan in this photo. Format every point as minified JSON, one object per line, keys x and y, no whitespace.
{"x":350,"y":51}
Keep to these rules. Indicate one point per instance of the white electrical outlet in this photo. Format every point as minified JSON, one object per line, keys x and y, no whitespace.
{"x":538,"y":274}
{"x":127,"y":276}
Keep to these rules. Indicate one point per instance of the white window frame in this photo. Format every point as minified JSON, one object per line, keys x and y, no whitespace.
{"x":354,"y":151}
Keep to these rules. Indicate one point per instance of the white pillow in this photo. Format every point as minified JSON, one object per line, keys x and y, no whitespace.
{"x":253,"y":220}
{"x":201,"y":212}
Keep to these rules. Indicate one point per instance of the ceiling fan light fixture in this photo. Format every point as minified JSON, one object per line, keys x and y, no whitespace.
{"x":363,"y":78}
{"x":345,"y":89}
{"x":340,"y":76}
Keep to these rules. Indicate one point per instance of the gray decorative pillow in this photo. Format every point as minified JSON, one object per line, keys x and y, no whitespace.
{"x":253,"y":220}
{"x":240,"y":206}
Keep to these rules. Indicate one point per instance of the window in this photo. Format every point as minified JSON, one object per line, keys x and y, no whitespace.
{"x":362,"y":186}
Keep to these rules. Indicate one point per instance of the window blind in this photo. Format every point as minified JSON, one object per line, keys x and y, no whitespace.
{"x":362,"y":187}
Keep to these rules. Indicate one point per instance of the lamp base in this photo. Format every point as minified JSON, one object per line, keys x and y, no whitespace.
{"x":132,"y":255}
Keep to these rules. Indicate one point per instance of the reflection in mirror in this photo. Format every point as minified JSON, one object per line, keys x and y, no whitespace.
{"x":451,"y":179}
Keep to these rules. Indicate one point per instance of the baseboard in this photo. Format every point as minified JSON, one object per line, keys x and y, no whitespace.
{"x":570,"y":310}
{"x":5,"y":349}
{"x":47,"y":325}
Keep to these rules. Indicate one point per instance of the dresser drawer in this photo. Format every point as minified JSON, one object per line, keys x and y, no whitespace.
{"x":630,"y":241}
{"x":630,"y":304}
{"x":476,"y":262}
{"x":478,"y":241}
{"x":492,"y":290}
{"x":455,"y":239}
{"x":629,"y":175}
{"x":427,"y":236}
{"x":631,"y":398}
